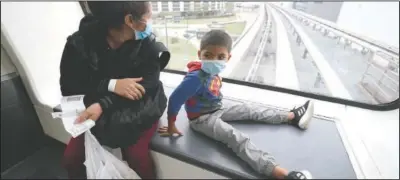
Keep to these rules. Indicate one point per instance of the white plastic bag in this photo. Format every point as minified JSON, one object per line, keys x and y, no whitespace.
{"x":101,"y":164}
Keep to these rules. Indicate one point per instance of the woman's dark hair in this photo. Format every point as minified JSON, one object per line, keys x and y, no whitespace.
{"x":112,"y":13}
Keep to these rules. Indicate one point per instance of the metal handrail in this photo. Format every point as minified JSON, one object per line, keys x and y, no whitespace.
{"x":374,"y":66}
{"x":245,"y":32}
{"x":377,"y":83}
{"x":387,"y":48}
{"x":390,"y":58}
{"x":253,"y":69}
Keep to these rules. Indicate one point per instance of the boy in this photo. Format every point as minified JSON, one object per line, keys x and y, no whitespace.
{"x":200,"y":91}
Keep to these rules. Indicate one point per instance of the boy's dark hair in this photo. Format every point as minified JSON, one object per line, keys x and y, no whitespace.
{"x":112,"y":13}
{"x":216,"y":38}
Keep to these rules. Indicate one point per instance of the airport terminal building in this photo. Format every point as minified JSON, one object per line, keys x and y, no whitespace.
{"x":187,"y":6}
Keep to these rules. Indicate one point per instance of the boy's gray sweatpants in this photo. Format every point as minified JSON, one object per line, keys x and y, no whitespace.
{"x":214,"y":126}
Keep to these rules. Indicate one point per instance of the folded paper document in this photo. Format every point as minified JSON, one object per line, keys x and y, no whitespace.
{"x":71,"y":107}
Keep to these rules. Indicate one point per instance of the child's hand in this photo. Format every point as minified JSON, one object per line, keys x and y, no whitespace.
{"x":169,"y":131}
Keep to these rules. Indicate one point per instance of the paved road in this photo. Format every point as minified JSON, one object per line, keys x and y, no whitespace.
{"x":266,"y":72}
{"x":349,"y":64}
{"x":307,"y":72}
{"x":173,"y":25}
{"x":242,"y":68}
{"x":178,"y":32}
{"x":249,"y":17}
{"x":309,"y":76}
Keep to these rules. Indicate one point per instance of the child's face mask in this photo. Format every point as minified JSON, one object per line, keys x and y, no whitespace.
{"x":213,"y":59}
{"x":213,"y":67}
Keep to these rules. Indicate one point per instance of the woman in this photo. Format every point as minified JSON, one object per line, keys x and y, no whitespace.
{"x":114,"y":61}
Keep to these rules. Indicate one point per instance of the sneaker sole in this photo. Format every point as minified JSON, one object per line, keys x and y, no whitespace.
{"x":307,"y":174}
{"x":305,"y":120}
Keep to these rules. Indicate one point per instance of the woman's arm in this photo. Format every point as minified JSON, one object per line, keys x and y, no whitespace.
{"x":159,"y":58}
{"x":75,"y":74}
{"x":150,"y":82}
{"x":77,"y":78}
{"x":151,"y":75}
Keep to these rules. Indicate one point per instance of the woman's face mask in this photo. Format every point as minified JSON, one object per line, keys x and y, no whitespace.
{"x":146,"y":32}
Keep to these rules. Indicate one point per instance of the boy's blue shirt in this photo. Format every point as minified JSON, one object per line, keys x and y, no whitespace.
{"x":199,"y":91}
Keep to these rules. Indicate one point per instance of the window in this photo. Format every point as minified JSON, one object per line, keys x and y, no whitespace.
{"x":354,"y":60}
{"x":154,"y":6}
{"x":229,"y":7}
{"x":186,"y":6}
{"x":164,"y":6}
{"x":176,"y":6}
{"x":206,"y":6}
{"x":328,"y":65}
{"x":198,"y":6}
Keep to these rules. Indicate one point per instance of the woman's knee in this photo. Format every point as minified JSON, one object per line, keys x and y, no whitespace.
{"x":141,"y":148}
{"x":138,"y":155}
{"x":74,"y":154}
{"x":141,"y":162}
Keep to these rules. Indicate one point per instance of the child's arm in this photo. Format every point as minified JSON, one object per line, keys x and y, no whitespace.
{"x":188,"y":87}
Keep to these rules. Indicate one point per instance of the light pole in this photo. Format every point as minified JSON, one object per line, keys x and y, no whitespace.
{"x":187,"y":39}
{"x":166,"y":31}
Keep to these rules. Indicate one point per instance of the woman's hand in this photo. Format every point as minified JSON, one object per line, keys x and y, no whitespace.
{"x":129,"y":88}
{"x":93,"y":112}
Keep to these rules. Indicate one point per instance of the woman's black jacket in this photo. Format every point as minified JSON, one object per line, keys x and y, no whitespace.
{"x":87,"y":65}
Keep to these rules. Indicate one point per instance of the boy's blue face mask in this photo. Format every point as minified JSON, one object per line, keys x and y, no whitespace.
{"x":213,"y":67}
{"x":143,"y":34}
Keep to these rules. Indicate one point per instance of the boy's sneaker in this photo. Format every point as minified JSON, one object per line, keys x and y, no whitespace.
{"x":299,"y":175}
{"x":303,"y":115}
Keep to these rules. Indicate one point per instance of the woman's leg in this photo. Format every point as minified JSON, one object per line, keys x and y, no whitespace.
{"x":138,"y":155}
{"x":74,"y":157}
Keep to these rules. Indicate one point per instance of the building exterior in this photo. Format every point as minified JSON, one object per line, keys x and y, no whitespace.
{"x":376,"y":20}
{"x":326,"y":10}
{"x":188,"y":6}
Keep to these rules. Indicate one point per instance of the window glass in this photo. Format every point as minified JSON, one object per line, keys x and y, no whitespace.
{"x":347,"y":50}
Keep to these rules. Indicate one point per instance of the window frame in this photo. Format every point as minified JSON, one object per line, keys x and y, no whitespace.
{"x":376,"y":107}
{"x":84,"y":7}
